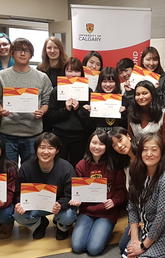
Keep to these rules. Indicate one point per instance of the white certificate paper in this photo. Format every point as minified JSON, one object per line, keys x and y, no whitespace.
{"x":140,"y":74}
{"x":92,"y":76}
{"x":20,"y":100}
{"x":75,"y":88}
{"x":105,"y":105}
{"x":86,"y":189}
{"x":36,"y":196}
{"x":3,"y":187}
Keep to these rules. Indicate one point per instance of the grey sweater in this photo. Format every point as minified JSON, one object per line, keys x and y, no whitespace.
{"x":24,"y":124}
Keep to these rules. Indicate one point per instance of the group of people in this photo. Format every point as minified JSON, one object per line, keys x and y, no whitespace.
{"x":60,"y":140}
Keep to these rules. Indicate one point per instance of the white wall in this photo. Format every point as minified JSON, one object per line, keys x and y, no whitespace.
{"x":43,"y":9}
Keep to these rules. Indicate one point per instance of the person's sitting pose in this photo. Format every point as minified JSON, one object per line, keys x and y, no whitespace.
{"x":96,"y":221}
{"x":48,"y":168}
{"x":7,"y":208}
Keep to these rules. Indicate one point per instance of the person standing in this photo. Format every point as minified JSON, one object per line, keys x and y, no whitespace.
{"x":53,"y":59}
{"x":5,"y":56}
{"x":20,"y":129}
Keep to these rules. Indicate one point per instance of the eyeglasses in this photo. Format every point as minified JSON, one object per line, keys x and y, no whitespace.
{"x":25,"y":50}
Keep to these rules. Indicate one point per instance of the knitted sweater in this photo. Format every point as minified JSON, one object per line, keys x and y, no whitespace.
{"x":24,"y":124}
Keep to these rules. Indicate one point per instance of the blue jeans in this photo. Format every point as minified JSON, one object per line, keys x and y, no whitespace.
{"x":29,"y":218}
{"x":18,"y":146}
{"x":124,"y":239}
{"x":6,"y":215}
{"x":91,"y":234}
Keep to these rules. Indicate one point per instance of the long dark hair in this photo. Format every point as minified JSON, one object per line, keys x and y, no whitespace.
{"x":108,"y":73}
{"x":102,"y":135}
{"x":138,"y":171}
{"x":120,"y":161}
{"x":156,"y":56}
{"x":89,"y":55}
{"x":155,"y":111}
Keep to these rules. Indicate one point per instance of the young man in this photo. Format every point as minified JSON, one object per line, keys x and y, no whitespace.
{"x":46,"y":167}
{"x":20,"y":129}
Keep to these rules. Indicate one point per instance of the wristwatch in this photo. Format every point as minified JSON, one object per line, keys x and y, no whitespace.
{"x":142,"y":246}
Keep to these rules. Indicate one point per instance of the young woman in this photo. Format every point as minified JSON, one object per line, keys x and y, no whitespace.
{"x":53,"y":59}
{"x":5,"y":56}
{"x":147,"y":199}
{"x":6,"y":208}
{"x":67,"y":120}
{"x":48,"y":168}
{"x":150,"y":60}
{"x":146,"y":114}
{"x":124,"y":69}
{"x":93,"y":60}
{"x":109,"y":83}
{"x":96,"y":220}
{"x":123,"y":150}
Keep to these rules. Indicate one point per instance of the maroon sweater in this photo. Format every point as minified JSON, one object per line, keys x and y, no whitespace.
{"x":11,"y":170}
{"x":116,"y":190}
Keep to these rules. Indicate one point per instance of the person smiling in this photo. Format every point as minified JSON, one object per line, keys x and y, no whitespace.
{"x":150,"y":60}
{"x":5,"y":56}
{"x":109,"y":83}
{"x":53,"y":59}
{"x":147,"y":200}
{"x":93,"y":60}
{"x":18,"y":129}
{"x":67,"y":120}
{"x":48,"y":168}
{"x":146,"y":114}
{"x":96,"y":221}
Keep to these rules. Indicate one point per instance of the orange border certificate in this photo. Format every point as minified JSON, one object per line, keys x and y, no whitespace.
{"x":105,"y":105}
{"x":35,"y":196}
{"x":75,"y":88}
{"x":140,"y":74}
{"x":20,"y":100}
{"x":92,"y":76}
{"x":85,"y":189}
{"x":3,"y":187}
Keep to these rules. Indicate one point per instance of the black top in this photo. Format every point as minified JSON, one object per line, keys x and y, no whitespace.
{"x":60,"y":176}
{"x":63,"y":122}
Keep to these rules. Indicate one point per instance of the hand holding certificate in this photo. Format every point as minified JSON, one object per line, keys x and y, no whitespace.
{"x":72,"y":88}
{"x":38,"y":196}
{"x":86,"y":189}
{"x":105,"y":105}
{"x":3,"y":187}
{"x":20,"y":100}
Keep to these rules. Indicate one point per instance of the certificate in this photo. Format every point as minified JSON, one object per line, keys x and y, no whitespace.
{"x":75,"y":88}
{"x":36,"y":196}
{"x":92,"y":76}
{"x":85,"y":189}
{"x":140,"y":74}
{"x":3,"y":187}
{"x":20,"y":100}
{"x":105,"y":105}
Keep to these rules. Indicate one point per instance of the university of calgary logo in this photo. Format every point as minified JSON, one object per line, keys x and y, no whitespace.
{"x":89,"y":27}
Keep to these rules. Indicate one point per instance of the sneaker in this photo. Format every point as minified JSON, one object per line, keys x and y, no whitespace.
{"x":61,"y":235}
{"x":40,"y":231}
